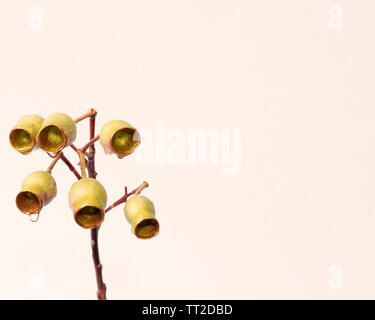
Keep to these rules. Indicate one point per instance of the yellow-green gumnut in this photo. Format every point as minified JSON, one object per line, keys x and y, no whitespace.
{"x":140,"y":212}
{"x":119,"y":137}
{"x":23,"y":135}
{"x":37,"y":190}
{"x":57,"y":132}
{"x":88,"y":199}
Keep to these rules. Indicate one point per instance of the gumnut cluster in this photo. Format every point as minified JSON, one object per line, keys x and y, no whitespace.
{"x":87,"y":196}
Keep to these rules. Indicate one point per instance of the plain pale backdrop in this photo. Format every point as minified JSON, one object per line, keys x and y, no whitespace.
{"x":297,"y":221}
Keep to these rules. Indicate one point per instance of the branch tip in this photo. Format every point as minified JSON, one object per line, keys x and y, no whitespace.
{"x":91,"y":113}
{"x":141,"y":187}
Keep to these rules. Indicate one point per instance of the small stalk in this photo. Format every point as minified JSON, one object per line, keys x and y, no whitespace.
{"x":141,"y":187}
{"x":86,"y":115}
{"x":83,"y":164}
{"x":74,"y":148}
{"x":70,"y":166}
{"x":126,"y":196}
{"x":90,"y":143}
{"x":57,"y":158}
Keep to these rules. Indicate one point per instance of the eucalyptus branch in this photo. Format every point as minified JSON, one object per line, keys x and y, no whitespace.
{"x":87,"y":197}
{"x":102,"y":289}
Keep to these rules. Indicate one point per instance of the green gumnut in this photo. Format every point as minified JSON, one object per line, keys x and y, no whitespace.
{"x":37,"y":190}
{"x":57,"y":132}
{"x":140,"y":213}
{"x":119,"y":137}
{"x":88,"y":199}
{"x":23,"y":135}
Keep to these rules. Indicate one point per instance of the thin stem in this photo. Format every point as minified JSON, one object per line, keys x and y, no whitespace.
{"x":90,"y":143}
{"x":70,"y":166}
{"x":102,"y":289}
{"x":91,"y":154}
{"x":90,"y":113}
{"x":74,"y":147}
{"x":83,"y":164}
{"x":119,"y":201}
{"x":57,"y":158}
{"x":141,"y":187}
{"x":126,"y":196}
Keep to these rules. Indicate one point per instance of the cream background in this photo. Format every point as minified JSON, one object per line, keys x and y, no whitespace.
{"x":302,"y":95}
